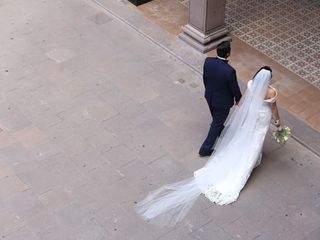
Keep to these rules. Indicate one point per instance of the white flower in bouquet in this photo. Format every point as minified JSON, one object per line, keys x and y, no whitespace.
{"x":282,"y":134}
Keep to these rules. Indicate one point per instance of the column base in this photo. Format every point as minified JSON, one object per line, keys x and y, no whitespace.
{"x":203,"y":42}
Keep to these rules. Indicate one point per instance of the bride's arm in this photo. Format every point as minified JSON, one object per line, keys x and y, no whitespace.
{"x":275,"y":114}
{"x":272,"y":94}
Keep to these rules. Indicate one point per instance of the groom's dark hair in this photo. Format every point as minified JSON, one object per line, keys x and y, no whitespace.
{"x":223,"y":49}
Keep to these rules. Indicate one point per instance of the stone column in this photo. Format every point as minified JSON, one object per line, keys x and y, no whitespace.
{"x":206,"y":27}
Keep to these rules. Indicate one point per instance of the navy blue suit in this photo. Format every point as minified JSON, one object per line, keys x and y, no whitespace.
{"x":221,"y":92}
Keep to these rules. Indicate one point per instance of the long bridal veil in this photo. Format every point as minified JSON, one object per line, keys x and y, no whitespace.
{"x":220,"y":178}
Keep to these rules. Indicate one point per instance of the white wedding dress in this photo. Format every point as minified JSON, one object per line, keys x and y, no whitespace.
{"x":237,"y":152}
{"x":229,"y":175}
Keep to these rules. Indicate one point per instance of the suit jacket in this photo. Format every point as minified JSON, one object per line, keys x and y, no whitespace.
{"x":220,"y":82}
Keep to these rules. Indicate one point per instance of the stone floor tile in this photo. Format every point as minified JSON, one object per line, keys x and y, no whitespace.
{"x":93,"y":230}
{"x":176,"y":233}
{"x":196,"y":219}
{"x":164,"y":14}
{"x":74,"y":145}
{"x":74,"y":216}
{"x":60,"y":55}
{"x":224,"y":215}
{"x":305,"y":220}
{"x":88,"y":160}
{"x":209,"y":230}
{"x":129,"y":66}
{"x":141,"y":93}
{"x":115,"y":98}
{"x":103,"y":140}
{"x":185,"y":148}
{"x":14,"y":120}
{"x":56,"y":199}
{"x":37,"y":176}
{"x":15,"y":155}
{"x":193,"y":161}
{"x":88,"y":193}
{"x":315,"y":121}
{"x":119,"y":156}
{"x":124,"y":224}
{"x":166,"y":67}
{"x":5,"y":170}
{"x":47,"y":226}
{"x":135,"y":176}
{"x":122,"y":192}
{"x":6,"y":139}
{"x":105,"y":174}
{"x":23,"y":233}
{"x":29,"y":136}
{"x":167,"y":166}
{"x":10,"y":222}
{"x":56,"y":133}
{"x":314,"y":235}
{"x":147,"y":153}
{"x":25,"y":204}
{"x":124,"y":131}
{"x":310,"y":111}
{"x":12,"y":185}
{"x":242,"y":228}
{"x":99,"y":18}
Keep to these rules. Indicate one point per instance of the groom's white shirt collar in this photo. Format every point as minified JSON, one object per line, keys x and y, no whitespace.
{"x":222,"y":58}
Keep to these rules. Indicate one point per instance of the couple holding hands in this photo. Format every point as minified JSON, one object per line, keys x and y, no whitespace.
{"x":234,"y":145}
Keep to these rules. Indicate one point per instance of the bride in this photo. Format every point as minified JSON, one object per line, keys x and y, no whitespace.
{"x":238,"y":151}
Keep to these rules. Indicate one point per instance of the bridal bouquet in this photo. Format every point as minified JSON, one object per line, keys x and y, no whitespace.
{"x":282,"y":134}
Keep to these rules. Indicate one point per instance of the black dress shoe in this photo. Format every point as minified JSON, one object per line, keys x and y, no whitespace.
{"x":205,"y":153}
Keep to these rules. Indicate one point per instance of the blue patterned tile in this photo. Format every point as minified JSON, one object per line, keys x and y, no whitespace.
{"x":301,"y":54}
{"x":310,"y":69}
{"x":316,"y":64}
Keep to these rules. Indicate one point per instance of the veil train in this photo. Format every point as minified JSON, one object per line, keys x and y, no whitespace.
{"x":225,"y":173}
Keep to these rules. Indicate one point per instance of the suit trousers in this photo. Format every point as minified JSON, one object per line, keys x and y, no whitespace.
{"x":219,"y":116}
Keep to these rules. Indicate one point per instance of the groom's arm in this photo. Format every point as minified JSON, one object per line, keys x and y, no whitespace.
{"x":204,"y":76}
{"x":234,"y":87}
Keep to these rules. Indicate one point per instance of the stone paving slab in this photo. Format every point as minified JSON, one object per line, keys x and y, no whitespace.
{"x":84,"y":138}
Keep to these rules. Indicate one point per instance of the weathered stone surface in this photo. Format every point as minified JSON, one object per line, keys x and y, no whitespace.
{"x":93,"y":116}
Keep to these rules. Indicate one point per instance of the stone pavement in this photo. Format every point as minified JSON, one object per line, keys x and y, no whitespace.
{"x":93,"y":115}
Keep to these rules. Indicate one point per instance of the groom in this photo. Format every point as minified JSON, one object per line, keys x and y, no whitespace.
{"x":221,"y":92}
